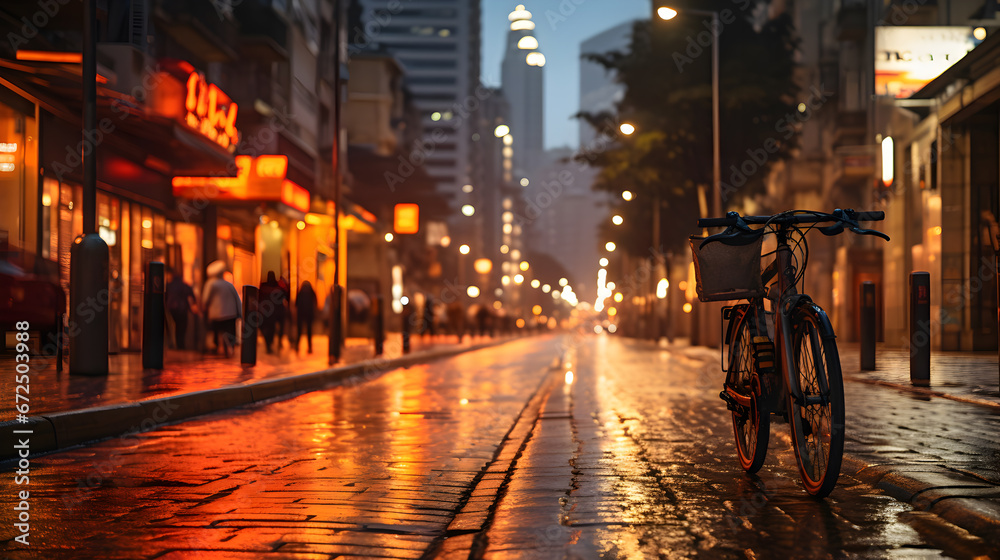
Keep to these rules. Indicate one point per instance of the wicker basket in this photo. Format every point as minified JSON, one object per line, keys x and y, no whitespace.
{"x":727,"y":272}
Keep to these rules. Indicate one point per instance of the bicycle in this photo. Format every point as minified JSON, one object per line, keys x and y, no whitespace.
{"x":789,"y":351}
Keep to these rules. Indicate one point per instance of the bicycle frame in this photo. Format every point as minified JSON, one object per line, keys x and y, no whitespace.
{"x":788,"y":295}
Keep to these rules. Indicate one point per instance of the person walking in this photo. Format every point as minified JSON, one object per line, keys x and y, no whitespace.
{"x":180,"y":301}
{"x":271,"y":291}
{"x":305,"y":313}
{"x":221,"y":303}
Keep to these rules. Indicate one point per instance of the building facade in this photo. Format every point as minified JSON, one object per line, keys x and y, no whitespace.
{"x":216,"y":142}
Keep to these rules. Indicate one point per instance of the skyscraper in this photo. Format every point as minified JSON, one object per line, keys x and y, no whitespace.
{"x":521,"y":82}
{"x":437,"y":42}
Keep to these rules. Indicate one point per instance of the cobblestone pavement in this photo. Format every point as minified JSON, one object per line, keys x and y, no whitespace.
{"x":52,"y":391}
{"x":633,"y":457}
{"x":373,"y":469}
{"x":624,"y":451}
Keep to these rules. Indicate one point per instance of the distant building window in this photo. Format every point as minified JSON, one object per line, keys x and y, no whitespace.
{"x":430,"y":64}
{"x":403,"y":46}
{"x":431,"y":80}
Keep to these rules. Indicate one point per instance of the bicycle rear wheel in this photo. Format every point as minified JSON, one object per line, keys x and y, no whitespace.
{"x":817,"y":421}
{"x":751,"y":425}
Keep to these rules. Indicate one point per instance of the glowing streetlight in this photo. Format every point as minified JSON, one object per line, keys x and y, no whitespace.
{"x":472,"y":291}
{"x":610,"y":246}
{"x":535,"y":283}
{"x":666,"y":13}
{"x":627,"y":195}
{"x":464,"y":249}
{"x":388,"y":237}
{"x":563,"y":282}
{"x":617,"y":220}
{"x":603,"y":262}
{"x":627,"y":128}
{"x":501,"y":131}
{"x":523,"y":266}
{"x":483,"y":266}
{"x":468,"y":209}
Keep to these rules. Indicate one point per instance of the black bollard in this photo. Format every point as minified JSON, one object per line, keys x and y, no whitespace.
{"x":406,"y":318}
{"x":868,"y":335}
{"x":334,"y":330}
{"x":89,"y":299}
{"x":379,"y":326}
{"x":251,"y":321}
{"x":153,"y":317}
{"x":920,"y":328}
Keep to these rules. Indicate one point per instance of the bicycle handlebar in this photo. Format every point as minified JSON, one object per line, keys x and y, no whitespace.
{"x":791,"y":218}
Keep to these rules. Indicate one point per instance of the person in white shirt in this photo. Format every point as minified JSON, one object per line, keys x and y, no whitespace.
{"x":222,"y":306}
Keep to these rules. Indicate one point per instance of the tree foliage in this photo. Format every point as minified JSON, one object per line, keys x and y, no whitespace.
{"x":666,"y":74}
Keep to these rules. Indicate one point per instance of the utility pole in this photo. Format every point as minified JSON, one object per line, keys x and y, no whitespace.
{"x":89,"y":293}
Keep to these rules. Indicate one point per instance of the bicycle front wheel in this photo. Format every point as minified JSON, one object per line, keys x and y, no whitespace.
{"x":751,"y":425}
{"x":817,"y":418}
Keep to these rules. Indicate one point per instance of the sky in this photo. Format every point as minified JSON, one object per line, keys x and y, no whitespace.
{"x":560,"y":27}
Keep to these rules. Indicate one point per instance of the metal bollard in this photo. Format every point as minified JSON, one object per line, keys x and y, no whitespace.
{"x":153,"y":317}
{"x":379,"y":326}
{"x":88,"y":281}
{"x":920,"y":328}
{"x":251,"y":321}
{"x":334,"y":328}
{"x":867,"y":316}
{"x":406,"y":317}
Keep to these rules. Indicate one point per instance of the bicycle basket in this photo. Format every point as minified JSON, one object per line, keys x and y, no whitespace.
{"x":726,"y":272}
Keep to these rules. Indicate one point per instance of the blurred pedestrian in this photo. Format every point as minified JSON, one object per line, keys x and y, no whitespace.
{"x":305,"y":313}
{"x":180,"y":301}
{"x":428,"y":326}
{"x":282,"y":329}
{"x":274,"y":313}
{"x":221,"y":303}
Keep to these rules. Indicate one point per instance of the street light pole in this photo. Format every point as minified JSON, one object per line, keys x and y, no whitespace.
{"x":716,"y":155}
{"x":666,"y":14}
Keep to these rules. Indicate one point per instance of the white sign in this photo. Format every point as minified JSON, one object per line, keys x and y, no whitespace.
{"x":908,"y":57}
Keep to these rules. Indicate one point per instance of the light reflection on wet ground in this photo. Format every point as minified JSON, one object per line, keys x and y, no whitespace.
{"x":655,"y":475}
{"x":372,"y":469}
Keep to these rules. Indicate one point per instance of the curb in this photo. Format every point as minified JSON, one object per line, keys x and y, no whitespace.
{"x":959,"y":498}
{"x":61,"y":430}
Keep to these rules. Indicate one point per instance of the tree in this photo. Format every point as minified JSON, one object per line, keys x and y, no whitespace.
{"x":666,"y":72}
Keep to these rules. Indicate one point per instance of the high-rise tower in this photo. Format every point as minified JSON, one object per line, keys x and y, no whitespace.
{"x":521,"y":77}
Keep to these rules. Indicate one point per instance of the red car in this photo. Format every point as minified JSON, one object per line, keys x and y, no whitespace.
{"x":32,"y":298}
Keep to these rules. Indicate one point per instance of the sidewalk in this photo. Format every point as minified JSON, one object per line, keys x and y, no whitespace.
{"x":67,"y":410}
{"x":971,"y":377}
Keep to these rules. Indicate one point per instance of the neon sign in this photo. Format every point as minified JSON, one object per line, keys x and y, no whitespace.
{"x":260,"y":178}
{"x":211,"y":112}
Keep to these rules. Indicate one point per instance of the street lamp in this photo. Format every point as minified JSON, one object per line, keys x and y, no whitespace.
{"x":626,"y":128}
{"x":627,"y":195}
{"x":666,"y":13}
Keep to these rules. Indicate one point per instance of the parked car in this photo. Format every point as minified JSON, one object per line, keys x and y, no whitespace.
{"x":29,"y":297}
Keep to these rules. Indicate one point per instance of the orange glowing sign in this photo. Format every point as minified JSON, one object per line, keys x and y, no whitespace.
{"x":407,"y":218}
{"x":294,"y":196}
{"x":211,"y":112}
{"x":50,"y":56}
{"x":261,"y":178}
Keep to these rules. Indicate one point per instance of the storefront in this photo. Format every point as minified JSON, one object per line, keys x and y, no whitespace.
{"x":945,"y":202}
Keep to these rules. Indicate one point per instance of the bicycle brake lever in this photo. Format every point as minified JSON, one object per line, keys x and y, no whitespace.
{"x":876,"y":233}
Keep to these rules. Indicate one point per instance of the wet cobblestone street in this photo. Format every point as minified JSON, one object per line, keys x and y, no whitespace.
{"x":622,"y":451}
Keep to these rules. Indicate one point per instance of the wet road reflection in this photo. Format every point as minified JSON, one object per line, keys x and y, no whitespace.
{"x":376,"y":468}
{"x":654,"y":474}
